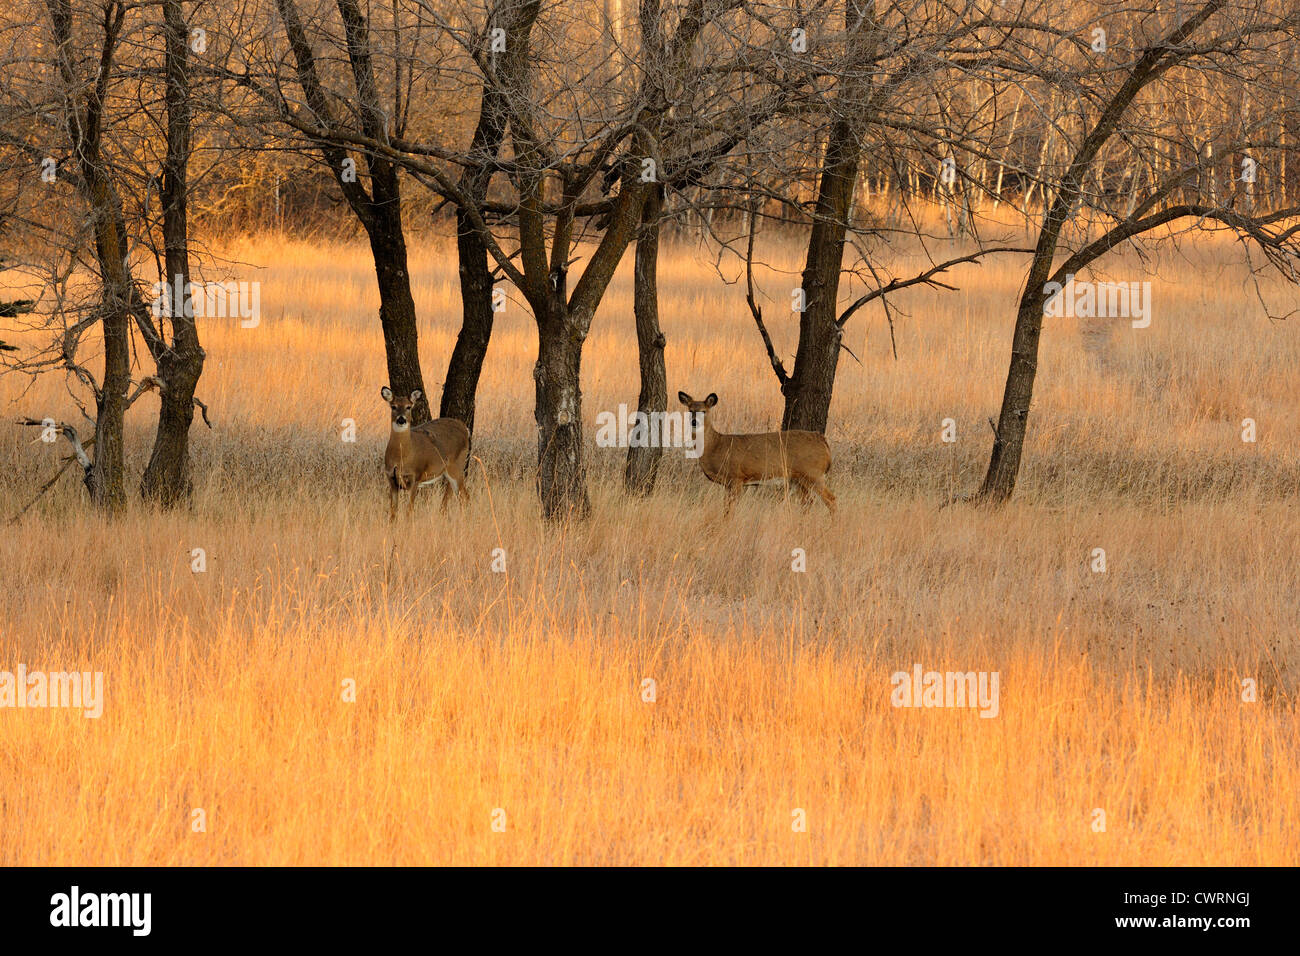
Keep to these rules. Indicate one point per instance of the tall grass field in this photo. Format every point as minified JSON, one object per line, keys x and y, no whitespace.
{"x":289,"y":679}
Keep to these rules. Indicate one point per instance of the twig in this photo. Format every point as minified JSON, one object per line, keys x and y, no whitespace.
{"x":777,"y":366}
{"x":926,"y":278}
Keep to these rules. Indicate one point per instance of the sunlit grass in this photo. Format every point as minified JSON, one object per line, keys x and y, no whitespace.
{"x":523,"y":691}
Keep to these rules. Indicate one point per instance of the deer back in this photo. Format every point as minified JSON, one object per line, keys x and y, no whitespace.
{"x":767,"y":456}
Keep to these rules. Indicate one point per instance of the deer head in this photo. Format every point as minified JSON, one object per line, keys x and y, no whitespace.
{"x":401,"y":407}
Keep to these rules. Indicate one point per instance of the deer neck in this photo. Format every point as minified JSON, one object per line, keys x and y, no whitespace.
{"x":712,"y":437}
{"x":401,"y":448}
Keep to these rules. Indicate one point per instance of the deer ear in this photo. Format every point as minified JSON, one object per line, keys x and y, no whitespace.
{"x":683,"y":398}
{"x":415,"y":396}
{"x":711,"y":400}
{"x":387,"y":393}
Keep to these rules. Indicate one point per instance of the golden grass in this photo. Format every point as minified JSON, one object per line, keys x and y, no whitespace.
{"x":523,"y":691}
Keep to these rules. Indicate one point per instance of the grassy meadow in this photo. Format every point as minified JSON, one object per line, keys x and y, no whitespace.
{"x":501,"y":717}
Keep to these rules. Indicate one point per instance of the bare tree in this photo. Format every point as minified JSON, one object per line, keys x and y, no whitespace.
{"x":873,"y":76}
{"x":1217,"y":39}
{"x":504,"y":75}
{"x":180,"y":361}
{"x":79,"y":120}
{"x":84,"y":123}
{"x":379,"y":209}
{"x":611,"y":148}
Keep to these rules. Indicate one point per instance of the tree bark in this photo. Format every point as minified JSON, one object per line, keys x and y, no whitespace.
{"x":1009,"y":440}
{"x":107,"y":480}
{"x":808,"y":393}
{"x":167,"y":478}
{"x":460,"y":389}
{"x":643,"y":462}
{"x":561,"y":472}
{"x":396,"y":305}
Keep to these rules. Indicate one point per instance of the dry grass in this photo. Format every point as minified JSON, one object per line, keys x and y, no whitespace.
{"x":522,"y":691}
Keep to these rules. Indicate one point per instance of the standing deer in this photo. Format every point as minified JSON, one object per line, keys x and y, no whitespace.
{"x":419,"y":456}
{"x":799,"y":458}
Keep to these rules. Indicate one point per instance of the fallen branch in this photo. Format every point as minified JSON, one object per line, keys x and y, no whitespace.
{"x":68,"y":432}
{"x":44,"y":488}
{"x":78,"y":455}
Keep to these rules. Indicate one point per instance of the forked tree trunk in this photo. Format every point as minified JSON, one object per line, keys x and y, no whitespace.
{"x":561,"y":477}
{"x":643,"y":462}
{"x":563,"y":322}
{"x":167,"y":476}
{"x":466,"y":364}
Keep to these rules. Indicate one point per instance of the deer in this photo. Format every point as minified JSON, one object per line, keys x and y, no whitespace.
{"x":793,"y":457}
{"x":423,"y":455}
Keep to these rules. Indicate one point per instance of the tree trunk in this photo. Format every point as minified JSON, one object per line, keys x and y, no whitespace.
{"x":397,"y":307}
{"x":167,"y":479}
{"x":107,"y":482}
{"x":1004,"y":463}
{"x":466,"y":364}
{"x":643,"y":462}
{"x":380,"y":210}
{"x":808,"y":392}
{"x":561,"y":474}
{"x":167,"y":476}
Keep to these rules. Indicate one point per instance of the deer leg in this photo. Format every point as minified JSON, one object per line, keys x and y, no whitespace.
{"x":392,"y":502}
{"x":733,"y":492}
{"x":801,"y":486}
{"x":824,"y":490}
{"x":447,"y":484}
{"x":410,"y":505}
{"x":461,"y":491}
